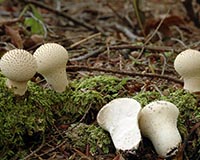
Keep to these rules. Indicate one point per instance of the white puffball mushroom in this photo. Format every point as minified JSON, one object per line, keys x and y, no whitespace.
{"x":158,"y":122}
{"x":120,"y":118}
{"x":52,"y":59}
{"x":18,"y":66}
{"x":187,"y":64}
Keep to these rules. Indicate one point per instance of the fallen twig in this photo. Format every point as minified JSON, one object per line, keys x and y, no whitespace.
{"x":78,"y":68}
{"x":126,"y":32}
{"x":35,"y":151}
{"x":10,"y":21}
{"x":84,"y":40}
{"x":90,"y":54}
{"x":186,"y":141}
{"x":153,"y":34}
{"x":152,"y":48}
{"x":79,"y":22}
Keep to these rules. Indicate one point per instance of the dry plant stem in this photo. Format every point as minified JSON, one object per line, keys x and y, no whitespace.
{"x":126,"y":32}
{"x":60,"y":13}
{"x":139,"y":15}
{"x":124,"y":19}
{"x":90,"y":54}
{"x":84,"y":40}
{"x":182,"y":148}
{"x":10,"y":21}
{"x":35,"y":151}
{"x":152,"y":48}
{"x":52,"y":149}
{"x":153,"y":34}
{"x":78,"y":68}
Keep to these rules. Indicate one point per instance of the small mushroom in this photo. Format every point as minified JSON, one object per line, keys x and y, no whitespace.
{"x":52,"y":59}
{"x":120,"y":118}
{"x":187,"y":64}
{"x":158,"y":122}
{"x":18,"y":66}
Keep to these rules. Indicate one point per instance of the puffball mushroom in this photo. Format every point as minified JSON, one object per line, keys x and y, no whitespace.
{"x":18,"y":66}
{"x":52,"y":59}
{"x":187,"y":64}
{"x":158,"y":122}
{"x":120,"y":118}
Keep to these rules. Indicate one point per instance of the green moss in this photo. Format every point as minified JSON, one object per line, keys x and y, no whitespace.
{"x":92,"y":93}
{"x":146,"y":97}
{"x":34,"y":113}
{"x":23,"y":117}
{"x":81,"y":135}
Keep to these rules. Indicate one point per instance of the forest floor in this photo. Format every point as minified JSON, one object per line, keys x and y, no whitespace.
{"x":105,"y":37}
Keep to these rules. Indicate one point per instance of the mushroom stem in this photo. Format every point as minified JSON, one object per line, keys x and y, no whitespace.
{"x":57,"y":81}
{"x":166,"y":140}
{"x":158,"y":122}
{"x":19,"y":88}
{"x":191,"y":84}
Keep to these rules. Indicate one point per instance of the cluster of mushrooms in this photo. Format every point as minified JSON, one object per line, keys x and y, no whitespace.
{"x":123,"y":118}
{"x":126,"y":121}
{"x":50,"y":60}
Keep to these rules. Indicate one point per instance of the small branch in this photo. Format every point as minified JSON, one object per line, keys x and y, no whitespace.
{"x":10,"y":21}
{"x":84,"y":40}
{"x":152,"y":48}
{"x":126,"y":32}
{"x":60,"y":13}
{"x":78,"y":68}
{"x":153,"y":34}
{"x":90,"y":54}
{"x":35,"y":151}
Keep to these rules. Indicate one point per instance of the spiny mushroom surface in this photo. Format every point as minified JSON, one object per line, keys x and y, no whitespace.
{"x":158,"y":122}
{"x":187,"y":64}
{"x":120,"y":118}
{"x":52,"y":59}
{"x":18,"y":66}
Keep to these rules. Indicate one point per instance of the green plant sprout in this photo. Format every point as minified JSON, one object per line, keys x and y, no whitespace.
{"x":34,"y":21}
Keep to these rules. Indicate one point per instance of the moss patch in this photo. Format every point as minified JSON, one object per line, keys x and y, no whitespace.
{"x":31,"y":115}
{"x":80,"y":135}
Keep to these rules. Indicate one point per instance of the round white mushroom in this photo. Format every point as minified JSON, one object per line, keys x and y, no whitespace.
{"x":18,"y":66}
{"x":187,"y":64}
{"x":120,"y":118}
{"x":158,"y":122}
{"x":52,"y":59}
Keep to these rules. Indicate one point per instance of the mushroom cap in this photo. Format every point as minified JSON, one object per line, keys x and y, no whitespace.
{"x":187,"y":63}
{"x":120,"y":118}
{"x":188,"y":66}
{"x":50,"y":57}
{"x":158,"y":122}
{"x":18,"y":65}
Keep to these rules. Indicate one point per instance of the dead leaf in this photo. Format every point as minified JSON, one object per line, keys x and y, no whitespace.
{"x":15,"y":36}
{"x":33,"y":41}
{"x":151,"y":24}
{"x":119,"y":157}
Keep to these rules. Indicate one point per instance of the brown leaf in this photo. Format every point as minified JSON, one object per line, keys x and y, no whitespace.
{"x":33,"y":41}
{"x":165,"y":26}
{"x":119,"y":157}
{"x":15,"y":36}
